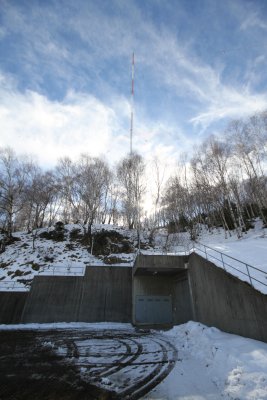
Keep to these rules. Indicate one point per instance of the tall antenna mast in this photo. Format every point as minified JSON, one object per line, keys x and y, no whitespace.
{"x":132,"y":107}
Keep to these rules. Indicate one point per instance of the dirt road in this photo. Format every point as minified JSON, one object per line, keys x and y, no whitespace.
{"x":82,"y":364}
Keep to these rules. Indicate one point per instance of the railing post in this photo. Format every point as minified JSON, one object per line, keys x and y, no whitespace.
{"x":249,"y":275}
{"x":205,"y":251}
{"x":223,"y":262}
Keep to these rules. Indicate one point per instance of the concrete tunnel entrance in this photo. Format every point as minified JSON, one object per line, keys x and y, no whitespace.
{"x":161,"y":294}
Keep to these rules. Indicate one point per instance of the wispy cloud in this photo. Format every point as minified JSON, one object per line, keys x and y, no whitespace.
{"x":73,"y":77}
{"x":253,"y":21}
{"x":33,"y":124}
{"x":50,"y":129}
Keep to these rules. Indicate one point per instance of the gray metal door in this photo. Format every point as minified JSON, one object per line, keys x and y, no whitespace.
{"x":153,"y":309}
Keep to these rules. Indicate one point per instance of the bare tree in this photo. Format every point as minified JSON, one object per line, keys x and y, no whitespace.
{"x":130,"y":173}
{"x":89,"y":189}
{"x":65,"y":173}
{"x":14,"y":173}
{"x":247,"y":143}
{"x":158,"y":173}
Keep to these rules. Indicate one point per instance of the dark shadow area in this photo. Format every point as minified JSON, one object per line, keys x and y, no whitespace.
{"x":30,"y":371}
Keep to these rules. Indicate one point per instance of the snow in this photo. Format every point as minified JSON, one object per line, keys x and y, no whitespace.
{"x":21,"y":262}
{"x":211,"y":364}
{"x":251,"y":249}
{"x":214,"y":365}
{"x":68,"y":325}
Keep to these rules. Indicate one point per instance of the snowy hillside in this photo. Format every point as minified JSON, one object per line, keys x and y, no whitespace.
{"x":251,"y":249}
{"x":64,"y":251}
{"x":61,"y":251}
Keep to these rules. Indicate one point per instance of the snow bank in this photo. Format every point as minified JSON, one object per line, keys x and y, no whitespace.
{"x":214,"y":365}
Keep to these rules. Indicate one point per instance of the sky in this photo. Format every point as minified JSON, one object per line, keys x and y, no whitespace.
{"x":65,"y":74}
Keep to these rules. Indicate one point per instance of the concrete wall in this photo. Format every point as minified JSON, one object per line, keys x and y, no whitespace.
{"x":223,"y":301}
{"x":160,"y":261}
{"x":203,"y":293}
{"x":107,"y":295}
{"x":103,"y":294}
{"x":53,"y":299}
{"x":11,"y":306}
{"x":182,"y":305}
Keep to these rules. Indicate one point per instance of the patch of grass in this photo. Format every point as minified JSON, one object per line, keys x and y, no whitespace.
{"x":57,"y":236}
{"x":48,"y":258}
{"x":114,"y":260}
{"x":110,"y":242}
{"x":26,"y":282}
{"x":35,"y":266}
{"x":69,"y":246}
{"x":25,"y":246}
{"x":4,"y":265}
{"x":75,"y":234}
{"x":13,"y":239}
{"x":18,"y":272}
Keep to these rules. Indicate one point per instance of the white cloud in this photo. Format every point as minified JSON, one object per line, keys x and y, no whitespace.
{"x":30,"y":123}
{"x":81,"y":123}
{"x":229,"y":103}
{"x":2,"y":32}
{"x":253,"y":21}
{"x":203,"y":85}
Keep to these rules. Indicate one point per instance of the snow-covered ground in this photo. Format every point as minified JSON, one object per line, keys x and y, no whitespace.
{"x":251,"y":249}
{"x":210,"y":365}
{"x":21,"y":261}
{"x":214,"y":365}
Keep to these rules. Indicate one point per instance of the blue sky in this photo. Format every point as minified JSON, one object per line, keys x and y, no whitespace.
{"x":65,"y":74}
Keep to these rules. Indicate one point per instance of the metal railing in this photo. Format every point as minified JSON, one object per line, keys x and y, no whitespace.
{"x":15,"y":286}
{"x":250,"y":273}
{"x":60,"y":270}
{"x":173,"y":250}
{"x":54,"y":270}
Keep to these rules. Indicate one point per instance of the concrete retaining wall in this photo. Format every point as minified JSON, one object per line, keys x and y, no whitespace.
{"x":182,"y":306}
{"x":107,"y":295}
{"x":221,"y":300}
{"x":53,"y":299}
{"x":11,"y":306}
{"x":103,"y":294}
{"x":203,"y":293}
